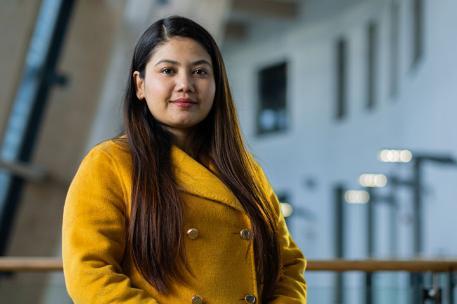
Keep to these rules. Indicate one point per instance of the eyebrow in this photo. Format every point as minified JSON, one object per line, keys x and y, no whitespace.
{"x":201,"y":61}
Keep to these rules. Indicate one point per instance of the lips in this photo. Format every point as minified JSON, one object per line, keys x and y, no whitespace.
{"x":184,"y":102}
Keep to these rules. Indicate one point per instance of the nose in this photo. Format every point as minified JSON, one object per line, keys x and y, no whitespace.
{"x":185,"y":83}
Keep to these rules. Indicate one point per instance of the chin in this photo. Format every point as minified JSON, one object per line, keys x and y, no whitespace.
{"x":183,"y":124}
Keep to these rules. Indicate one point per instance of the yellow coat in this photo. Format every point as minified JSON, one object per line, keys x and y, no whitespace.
{"x":97,"y":208}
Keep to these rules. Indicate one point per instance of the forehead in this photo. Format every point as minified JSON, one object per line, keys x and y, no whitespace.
{"x":180,"y":49}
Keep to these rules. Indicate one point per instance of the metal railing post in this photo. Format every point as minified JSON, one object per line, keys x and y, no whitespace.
{"x":432,"y":294}
{"x":451,"y":284}
{"x":369,"y":288}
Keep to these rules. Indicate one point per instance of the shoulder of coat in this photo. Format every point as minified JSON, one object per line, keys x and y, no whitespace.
{"x":114,"y":147}
{"x":115,"y":150}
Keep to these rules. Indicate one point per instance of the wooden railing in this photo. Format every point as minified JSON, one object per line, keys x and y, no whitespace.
{"x":30,"y":264}
{"x":423,"y":294}
{"x":383,"y":265}
{"x":34,"y":264}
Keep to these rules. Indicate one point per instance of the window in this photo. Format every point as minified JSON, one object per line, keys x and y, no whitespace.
{"x":418,"y":28}
{"x":372,"y":47}
{"x":394,"y":41}
{"x":341,"y":79}
{"x":272,"y":113}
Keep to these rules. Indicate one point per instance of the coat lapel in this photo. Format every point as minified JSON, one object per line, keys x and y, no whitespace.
{"x":197,"y":180}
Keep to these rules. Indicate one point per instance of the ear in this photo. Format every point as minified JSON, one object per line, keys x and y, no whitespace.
{"x":139,"y":85}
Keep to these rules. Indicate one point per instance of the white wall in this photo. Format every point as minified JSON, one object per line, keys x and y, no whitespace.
{"x":420,"y":118}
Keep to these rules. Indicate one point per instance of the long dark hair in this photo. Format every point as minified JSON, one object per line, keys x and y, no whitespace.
{"x":155,"y":237}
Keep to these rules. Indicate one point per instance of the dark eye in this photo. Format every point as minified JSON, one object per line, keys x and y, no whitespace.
{"x":167,"y":71}
{"x":200,"y":72}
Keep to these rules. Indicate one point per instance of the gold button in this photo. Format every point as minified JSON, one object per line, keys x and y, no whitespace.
{"x":246,"y":234}
{"x":197,"y":300}
{"x":249,"y":298}
{"x":192,"y":233}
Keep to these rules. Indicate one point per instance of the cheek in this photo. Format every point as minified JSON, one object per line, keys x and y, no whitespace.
{"x":158,"y":90}
{"x":210,"y":93}
{"x":157,"y":97}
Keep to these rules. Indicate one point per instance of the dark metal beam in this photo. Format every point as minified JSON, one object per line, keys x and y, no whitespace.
{"x":28,"y":141}
{"x":340,"y":225}
{"x":24,"y":170}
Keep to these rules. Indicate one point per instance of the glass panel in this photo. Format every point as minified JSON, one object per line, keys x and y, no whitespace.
{"x":387,"y":287}
{"x":21,"y":288}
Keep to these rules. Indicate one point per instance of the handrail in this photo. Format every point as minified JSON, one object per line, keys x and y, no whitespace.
{"x":30,"y":264}
{"x":48,"y":264}
{"x":370,"y":265}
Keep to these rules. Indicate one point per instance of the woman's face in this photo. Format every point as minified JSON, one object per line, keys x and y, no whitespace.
{"x":178,"y":85}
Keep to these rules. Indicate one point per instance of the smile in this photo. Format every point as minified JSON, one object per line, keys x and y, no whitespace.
{"x":184,"y":102}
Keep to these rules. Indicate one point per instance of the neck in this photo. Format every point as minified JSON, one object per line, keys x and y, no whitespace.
{"x":181,"y":139}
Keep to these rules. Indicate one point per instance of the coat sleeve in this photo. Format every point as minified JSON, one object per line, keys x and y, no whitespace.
{"x":291,"y":287}
{"x":94,"y":235}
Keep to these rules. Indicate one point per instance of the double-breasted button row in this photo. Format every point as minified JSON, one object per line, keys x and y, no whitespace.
{"x":249,"y":298}
{"x":245,"y":233}
{"x":197,"y":299}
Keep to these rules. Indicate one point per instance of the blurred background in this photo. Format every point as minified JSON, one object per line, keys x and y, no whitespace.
{"x":349,"y":106}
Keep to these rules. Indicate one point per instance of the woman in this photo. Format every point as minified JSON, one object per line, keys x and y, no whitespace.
{"x":176,"y":210}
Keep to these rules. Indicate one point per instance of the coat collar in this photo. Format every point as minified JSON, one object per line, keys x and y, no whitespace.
{"x":197,"y":180}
